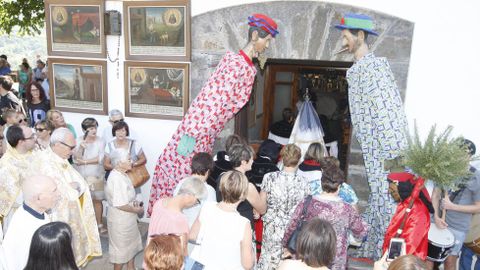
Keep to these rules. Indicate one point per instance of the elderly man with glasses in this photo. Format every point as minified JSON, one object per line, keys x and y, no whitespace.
{"x":75,"y":206}
{"x":21,"y":142}
{"x":115,"y":116}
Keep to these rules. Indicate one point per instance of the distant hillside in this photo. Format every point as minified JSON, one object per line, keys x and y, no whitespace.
{"x":16,"y":48}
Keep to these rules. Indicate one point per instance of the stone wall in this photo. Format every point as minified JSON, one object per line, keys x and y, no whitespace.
{"x":306,"y":33}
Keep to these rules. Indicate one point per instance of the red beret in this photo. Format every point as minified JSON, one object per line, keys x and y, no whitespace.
{"x":264,"y":22}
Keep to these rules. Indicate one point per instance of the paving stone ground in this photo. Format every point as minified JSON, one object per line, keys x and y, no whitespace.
{"x":102,"y":263}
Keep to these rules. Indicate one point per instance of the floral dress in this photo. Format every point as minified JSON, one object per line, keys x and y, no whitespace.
{"x":224,"y":94}
{"x":342,"y":216}
{"x":284,"y":191}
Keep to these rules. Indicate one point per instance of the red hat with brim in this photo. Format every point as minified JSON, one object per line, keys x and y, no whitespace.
{"x":408,"y":177}
{"x":264,"y":22}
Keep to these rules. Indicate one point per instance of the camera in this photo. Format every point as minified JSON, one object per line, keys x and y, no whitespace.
{"x":395,"y":248}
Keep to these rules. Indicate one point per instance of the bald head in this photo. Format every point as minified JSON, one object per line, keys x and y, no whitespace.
{"x":40,"y":192}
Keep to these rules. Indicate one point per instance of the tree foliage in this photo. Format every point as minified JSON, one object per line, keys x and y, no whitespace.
{"x":25,"y":16}
{"x":440,"y":158}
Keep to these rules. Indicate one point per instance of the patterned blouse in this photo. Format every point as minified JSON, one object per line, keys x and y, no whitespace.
{"x":284,"y":191}
{"x":342,"y":216}
{"x":376,"y":107}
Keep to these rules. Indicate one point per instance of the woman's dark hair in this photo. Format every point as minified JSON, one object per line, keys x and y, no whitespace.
{"x":332,"y":177}
{"x":119,"y":125}
{"x":51,"y":248}
{"x":6,"y":82}
{"x":202,"y":163}
{"x":88,"y":123}
{"x":317,"y":243}
{"x":29,"y":91}
{"x":26,"y":65}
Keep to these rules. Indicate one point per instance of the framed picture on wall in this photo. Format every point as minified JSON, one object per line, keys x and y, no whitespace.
{"x":157,"y":30}
{"x":78,"y":85}
{"x":75,"y":28}
{"x":156,"y":90}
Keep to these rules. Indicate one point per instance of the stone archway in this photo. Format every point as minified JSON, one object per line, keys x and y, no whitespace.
{"x":306,"y":33}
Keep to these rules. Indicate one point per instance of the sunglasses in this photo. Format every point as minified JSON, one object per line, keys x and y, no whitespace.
{"x":22,"y":120}
{"x":40,"y":129}
{"x":69,"y":146}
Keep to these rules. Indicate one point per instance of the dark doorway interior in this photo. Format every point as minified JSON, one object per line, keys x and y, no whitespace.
{"x":283,"y":84}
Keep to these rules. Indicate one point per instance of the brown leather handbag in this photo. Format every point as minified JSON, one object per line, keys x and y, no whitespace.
{"x":138,"y":174}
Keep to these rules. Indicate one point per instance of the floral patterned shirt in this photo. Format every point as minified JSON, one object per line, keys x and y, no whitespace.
{"x":342,"y":216}
{"x":284,"y":191}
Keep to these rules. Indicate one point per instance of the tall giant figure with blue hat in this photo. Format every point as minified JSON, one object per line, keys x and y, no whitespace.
{"x":223,"y":95}
{"x":379,"y":123}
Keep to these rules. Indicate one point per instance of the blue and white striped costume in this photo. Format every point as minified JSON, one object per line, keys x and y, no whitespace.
{"x":380,"y":124}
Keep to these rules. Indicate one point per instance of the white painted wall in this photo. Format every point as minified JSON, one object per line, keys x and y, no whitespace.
{"x":442,"y":86}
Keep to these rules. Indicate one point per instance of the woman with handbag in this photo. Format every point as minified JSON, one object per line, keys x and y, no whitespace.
{"x":88,"y":160}
{"x":329,"y":206}
{"x":281,"y":191}
{"x":124,"y":240}
{"x":120,"y":131}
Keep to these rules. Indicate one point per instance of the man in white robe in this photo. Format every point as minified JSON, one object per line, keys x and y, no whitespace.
{"x":41,"y":195}
{"x":75,"y":207}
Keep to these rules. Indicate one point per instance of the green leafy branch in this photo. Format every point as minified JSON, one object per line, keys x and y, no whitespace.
{"x":25,"y":16}
{"x":441,"y":159}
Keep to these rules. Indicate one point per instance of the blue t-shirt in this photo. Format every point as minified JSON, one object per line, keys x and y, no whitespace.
{"x":5,"y":71}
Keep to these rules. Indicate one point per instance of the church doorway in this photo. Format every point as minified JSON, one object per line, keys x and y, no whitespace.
{"x":283,"y":84}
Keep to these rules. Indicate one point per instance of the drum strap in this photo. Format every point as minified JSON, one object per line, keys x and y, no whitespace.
{"x":407,"y":211}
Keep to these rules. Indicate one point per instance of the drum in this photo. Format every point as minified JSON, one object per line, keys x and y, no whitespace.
{"x":440,"y":241}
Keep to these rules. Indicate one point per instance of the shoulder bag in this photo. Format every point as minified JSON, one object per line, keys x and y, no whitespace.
{"x":292,"y":241}
{"x":138,"y":174}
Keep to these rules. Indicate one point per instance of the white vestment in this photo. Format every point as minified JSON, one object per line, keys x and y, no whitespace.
{"x":16,"y":244}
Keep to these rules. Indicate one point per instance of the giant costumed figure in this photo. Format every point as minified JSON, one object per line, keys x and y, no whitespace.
{"x":223,"y":95}
{"x":378,"y":120}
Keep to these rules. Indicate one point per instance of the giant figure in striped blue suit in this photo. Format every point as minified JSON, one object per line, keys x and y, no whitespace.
{"x":379,"y":123}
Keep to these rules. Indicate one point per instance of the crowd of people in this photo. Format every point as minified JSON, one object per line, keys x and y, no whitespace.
{"x":207,"y":221}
